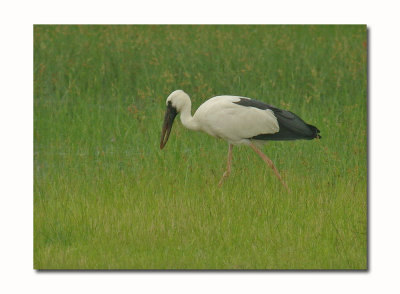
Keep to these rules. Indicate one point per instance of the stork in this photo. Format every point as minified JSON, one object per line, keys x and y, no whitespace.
{"x":239,"y":121}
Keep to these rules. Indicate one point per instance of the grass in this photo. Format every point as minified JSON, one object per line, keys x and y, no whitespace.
{"x":106,"y":197}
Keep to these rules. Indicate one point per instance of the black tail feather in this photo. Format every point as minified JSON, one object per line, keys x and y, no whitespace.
{"x":315,"y":131}
{"x":308,"y":133}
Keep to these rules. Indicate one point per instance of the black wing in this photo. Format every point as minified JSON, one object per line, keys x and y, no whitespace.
{"x":291,"y":127}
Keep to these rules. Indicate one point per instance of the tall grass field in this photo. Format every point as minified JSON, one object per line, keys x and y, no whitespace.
{"x":107,"y":197}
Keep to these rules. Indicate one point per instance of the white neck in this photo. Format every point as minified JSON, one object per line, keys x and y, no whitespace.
{"x":186,"y":117}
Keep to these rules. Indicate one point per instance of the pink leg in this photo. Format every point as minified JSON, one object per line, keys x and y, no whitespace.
{"x":228,"y":167}
{"x":270,"y":163}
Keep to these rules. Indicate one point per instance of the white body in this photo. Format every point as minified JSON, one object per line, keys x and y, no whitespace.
{"x":221,"y":118}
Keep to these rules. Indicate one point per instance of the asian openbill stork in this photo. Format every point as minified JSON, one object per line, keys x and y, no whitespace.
{"x":238,"y":120}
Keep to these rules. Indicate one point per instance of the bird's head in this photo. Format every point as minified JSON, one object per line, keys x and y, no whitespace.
{"x":176,"y":101}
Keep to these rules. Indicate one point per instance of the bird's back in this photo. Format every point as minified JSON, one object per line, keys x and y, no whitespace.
{"x":291,"y":126}
{"x":221,"y":117}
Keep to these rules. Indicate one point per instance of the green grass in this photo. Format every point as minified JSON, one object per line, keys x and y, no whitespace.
{"x":106,"y":197}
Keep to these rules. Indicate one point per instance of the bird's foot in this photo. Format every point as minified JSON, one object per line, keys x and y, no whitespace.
{"x":286,"y":186}
{"x":224,"y":176}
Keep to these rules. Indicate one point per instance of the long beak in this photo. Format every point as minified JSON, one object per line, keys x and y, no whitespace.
{"x":169,"y":117}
